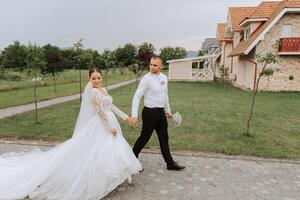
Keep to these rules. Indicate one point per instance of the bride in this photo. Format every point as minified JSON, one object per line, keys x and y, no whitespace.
{"x":86,"y":167}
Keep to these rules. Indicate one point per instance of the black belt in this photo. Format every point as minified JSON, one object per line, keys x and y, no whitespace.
{"x":155,"y":108}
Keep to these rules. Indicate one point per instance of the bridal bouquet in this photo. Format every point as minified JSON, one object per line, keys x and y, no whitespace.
{"x":176,"y":119}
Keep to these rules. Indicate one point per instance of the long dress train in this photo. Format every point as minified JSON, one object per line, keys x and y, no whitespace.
{"x":86,"y":167}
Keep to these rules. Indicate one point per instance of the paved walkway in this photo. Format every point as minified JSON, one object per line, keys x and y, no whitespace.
{"x":7,"y":112}
{"x":206,"y":178}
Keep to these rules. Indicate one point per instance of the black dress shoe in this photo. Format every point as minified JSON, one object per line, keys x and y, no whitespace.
{"x":175,"y":166}
{"x":142,"y":170}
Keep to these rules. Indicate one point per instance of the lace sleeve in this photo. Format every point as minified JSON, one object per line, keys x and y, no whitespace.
{"x":98,"y":107}
{"x":118,"y":112}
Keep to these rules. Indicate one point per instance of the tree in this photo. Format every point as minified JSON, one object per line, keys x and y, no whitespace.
{"x":2,"y":69}
{"x":53,"y":62}
{"x":1,"y":57}
{"x":78,"y":47}
{"x":14,"y":56}
{"x":68,"y":58}
{"x":265,"y":60}
{"x":109,"y":60}
{"x":200,"y":53}
{"x":2,"y":72}
{"x":96,"y":60}
{"x":89,"y":58}
{"x":170,"y":53}
{"x":35,"y":60}
{"x":144,"y":54}
{"x":126,"y":55}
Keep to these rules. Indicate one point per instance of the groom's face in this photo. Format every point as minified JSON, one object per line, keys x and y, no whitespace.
{"x":155,"y":65}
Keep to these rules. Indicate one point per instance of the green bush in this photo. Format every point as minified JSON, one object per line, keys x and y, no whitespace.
{"x":2,"y":73}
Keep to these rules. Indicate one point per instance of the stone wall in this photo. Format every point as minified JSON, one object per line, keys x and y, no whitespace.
{"x":288,"y":65}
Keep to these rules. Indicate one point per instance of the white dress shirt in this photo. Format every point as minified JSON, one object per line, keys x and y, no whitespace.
{"x":154,"y":88}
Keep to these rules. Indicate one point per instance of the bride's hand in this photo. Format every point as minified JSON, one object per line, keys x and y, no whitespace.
{"x":114,"y":132}
{"x":129,"y":121}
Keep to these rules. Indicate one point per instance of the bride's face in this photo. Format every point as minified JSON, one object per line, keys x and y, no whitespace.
{"x":96,"y":79}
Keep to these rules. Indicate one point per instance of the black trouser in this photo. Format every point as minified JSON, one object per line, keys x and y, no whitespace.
{"x":154,"y":119}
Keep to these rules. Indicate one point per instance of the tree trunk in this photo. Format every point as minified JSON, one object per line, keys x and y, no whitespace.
{"x":80,"y":87}
{"x":253,"y":100}
{"x":130,"y":77}
{"x":54,"y":80}
{"x":35,"y":100}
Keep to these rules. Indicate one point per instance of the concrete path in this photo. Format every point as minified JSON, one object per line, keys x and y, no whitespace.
{"x":206,"y":178}
{"x":7,"y":112}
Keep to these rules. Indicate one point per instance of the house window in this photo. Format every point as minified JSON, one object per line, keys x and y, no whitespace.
{"x":247,"y":33}
{"x":195,"y":65}
{"x":287,"y":30}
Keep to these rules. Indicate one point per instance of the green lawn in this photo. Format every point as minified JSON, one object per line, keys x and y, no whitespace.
{"x":214,"y":120}
{"x":66,"y":76}
{"x":17,"y":93}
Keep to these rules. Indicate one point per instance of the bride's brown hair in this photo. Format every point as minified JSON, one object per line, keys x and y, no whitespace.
{"x":94,"y":69}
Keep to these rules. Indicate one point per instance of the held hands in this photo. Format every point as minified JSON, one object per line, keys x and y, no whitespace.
{"x":132,"y":121}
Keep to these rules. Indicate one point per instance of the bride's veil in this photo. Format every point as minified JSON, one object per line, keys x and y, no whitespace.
{"x":86,"y":109}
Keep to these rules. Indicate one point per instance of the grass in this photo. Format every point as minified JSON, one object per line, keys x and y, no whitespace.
{"x":214,"y":120}
{"x":17,"y":93}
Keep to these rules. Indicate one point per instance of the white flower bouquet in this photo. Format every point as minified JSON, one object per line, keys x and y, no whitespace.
{"x":176,"y":119}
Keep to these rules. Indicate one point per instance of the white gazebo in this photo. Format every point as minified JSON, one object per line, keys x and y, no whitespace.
{"x":200,"y":68}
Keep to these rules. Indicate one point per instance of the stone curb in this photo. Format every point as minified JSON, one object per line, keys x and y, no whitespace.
{"x":176,"y":153}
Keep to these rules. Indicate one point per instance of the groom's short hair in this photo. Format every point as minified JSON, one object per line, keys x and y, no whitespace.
{"x":155,"y":57}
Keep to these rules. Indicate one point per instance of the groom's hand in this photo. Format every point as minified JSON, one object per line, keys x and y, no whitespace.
{"x":169,"y":115}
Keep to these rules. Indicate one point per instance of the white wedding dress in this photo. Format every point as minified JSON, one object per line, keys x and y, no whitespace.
{"x":86,"y":167}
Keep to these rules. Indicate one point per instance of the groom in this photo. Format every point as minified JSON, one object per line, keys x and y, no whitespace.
{"x":154,"y":87}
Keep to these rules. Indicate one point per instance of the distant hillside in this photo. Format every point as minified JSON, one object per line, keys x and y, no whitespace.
{"x":191,"y":54}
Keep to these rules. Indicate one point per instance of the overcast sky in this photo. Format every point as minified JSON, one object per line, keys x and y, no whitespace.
{"x":111,"y":23}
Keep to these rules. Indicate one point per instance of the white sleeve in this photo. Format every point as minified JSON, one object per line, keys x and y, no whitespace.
{"x":142,"y":88}
{"x":167,"y":103}
{"x":98,"y":107}
{"x":116,"y":110}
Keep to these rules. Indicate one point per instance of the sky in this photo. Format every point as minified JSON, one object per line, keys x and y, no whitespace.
{"x":108,"y":24}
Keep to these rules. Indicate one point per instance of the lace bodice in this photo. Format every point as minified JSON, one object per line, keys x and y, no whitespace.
{"x":103,"y":104}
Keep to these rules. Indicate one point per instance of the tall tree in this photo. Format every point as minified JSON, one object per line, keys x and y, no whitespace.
{"x":35,"y":60}
{"x":78,"y":47}
{"x":1,"y":57}
{"x":144,"y":54}
{"x":170,"y":53}
{"x":109,"y":60}
{"x":2,"y":69}
{"x":265,"y":60}
{"x":89,"y":58}
{"x":96,"y":60}
{"x":126,"y":55}
{"x":14,"y":56}
{"x":68,"y":58}
{"x":53,"y":62}
{"x":2,"y":72}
